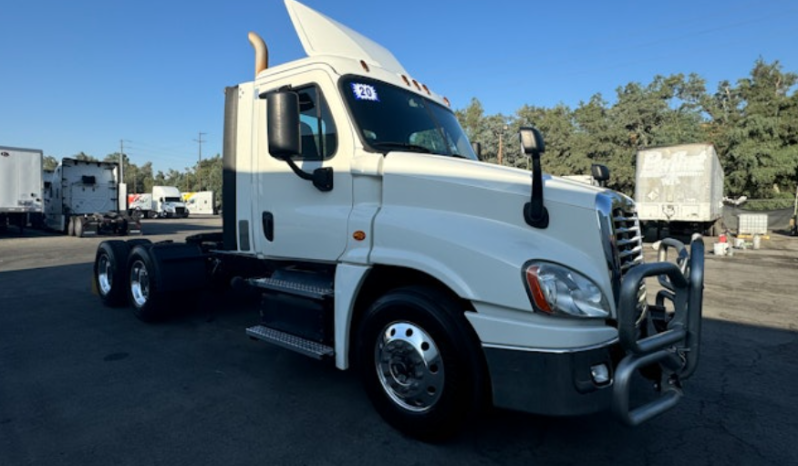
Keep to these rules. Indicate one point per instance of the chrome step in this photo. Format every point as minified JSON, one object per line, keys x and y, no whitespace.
{"x":286,"y":340}
{"x":293,"y":288}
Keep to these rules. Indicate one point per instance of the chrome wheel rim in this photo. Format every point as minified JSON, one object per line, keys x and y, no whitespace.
{"x":139,"y":283}
{"x":104,"y":274}
{"x":409,"y":366}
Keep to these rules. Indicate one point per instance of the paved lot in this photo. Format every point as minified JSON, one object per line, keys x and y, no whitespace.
{"x":81,"y":384}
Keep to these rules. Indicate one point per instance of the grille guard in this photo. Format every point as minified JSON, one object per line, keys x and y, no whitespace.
{"x":676,"y":348}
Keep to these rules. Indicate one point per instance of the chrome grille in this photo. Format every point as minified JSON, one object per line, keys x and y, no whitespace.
{"x":628,"y":238}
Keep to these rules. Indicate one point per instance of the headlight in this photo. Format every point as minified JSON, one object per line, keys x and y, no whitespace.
{"x":557,"y":290}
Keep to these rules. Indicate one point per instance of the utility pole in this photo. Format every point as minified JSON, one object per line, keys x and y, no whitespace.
{"x":199,"y":164}
{"x":121,"y":161}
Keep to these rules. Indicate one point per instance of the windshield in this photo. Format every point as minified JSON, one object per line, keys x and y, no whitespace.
{"x":173,"y":199}
{"x":390,"y":118}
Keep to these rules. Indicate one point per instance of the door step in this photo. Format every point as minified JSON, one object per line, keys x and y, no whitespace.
{"x":319,"y":293}
{"x":286,"y":340}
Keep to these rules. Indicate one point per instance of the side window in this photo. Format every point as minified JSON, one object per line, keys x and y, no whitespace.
{"x":319,"y":138}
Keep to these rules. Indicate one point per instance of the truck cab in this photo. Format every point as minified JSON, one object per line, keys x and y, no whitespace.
{"x":354,"y":203}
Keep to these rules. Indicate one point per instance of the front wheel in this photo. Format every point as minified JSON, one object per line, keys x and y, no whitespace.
{"x":420,"y":362}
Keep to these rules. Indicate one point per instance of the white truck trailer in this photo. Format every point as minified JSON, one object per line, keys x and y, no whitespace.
{"x":82,"y":199}
{"x":140,"y":204}
{"x":681,"y":186}
{"x":201,"y":202}
{"x":167,"y":202}
{"x":21,"y":185}
{"x":356,"y":209}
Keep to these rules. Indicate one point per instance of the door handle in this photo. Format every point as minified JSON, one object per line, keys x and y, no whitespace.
{"x":268,"y":225}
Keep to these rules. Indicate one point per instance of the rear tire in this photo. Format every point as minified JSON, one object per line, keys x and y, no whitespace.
{"x":149,"y":303}
{"x":420,"y":363}
{"x":78,"y":227}
{"x":109,"y":272}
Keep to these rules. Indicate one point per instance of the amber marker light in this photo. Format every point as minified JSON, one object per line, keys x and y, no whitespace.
{"x":359,"y":235}
{"x":535,"y":291}
{"x":407,"y":81}
{"x":364,"y":65}
{"x":446,"y":100}
{"x":426,"y":89}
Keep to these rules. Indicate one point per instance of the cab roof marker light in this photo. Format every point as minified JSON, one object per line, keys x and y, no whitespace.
{"x":415,"y":83}
{"x":365,"y":65}
{"x":446,"y":100}
{"x":426,"y":89}
{"x":407,"y":81}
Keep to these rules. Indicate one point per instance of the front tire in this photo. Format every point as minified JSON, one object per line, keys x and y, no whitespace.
{"x":420,"y":363}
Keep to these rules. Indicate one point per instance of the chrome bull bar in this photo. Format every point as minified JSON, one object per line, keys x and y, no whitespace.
{"x":676,"y":347}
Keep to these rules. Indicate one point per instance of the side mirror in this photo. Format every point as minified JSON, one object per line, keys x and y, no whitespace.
{"x":535,"y":212}
{"x":477,"y":148}
{"x":532,"y":142}
{"x":600,"y":173}
{"x":282,"y":114}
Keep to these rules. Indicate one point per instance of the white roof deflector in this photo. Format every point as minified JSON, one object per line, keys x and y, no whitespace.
{"x":321,"y":35}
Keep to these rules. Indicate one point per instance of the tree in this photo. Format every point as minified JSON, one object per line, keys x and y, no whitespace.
{"x":49,"y":163}
{"x":84,"y":156}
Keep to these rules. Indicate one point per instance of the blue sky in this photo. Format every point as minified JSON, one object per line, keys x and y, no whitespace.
{"x":83,"y":75}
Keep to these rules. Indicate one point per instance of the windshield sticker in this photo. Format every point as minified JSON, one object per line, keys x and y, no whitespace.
{"x":365,"y":92}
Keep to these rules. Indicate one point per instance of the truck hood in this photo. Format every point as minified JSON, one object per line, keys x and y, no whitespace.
{"x":477,"y":187}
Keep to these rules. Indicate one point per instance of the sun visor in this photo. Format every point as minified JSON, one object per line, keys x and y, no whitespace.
{"x":321,"y":35}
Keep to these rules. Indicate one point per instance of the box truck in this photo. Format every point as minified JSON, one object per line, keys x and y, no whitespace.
{"x":356,"y":209}
{"x":140,"y":204}
{"x":21,"y":197}
{"x":202,"y":202}
{"x":82,"y":199}
{"x":680,"y":186}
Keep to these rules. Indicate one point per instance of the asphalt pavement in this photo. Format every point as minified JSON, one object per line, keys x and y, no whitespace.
{"x":82,"y":384}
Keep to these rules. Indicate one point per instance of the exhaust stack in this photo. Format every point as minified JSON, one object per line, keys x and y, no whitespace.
{"x":261,"y":52}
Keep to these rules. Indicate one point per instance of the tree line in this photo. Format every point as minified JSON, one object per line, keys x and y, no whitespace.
{"x":753,"y":124}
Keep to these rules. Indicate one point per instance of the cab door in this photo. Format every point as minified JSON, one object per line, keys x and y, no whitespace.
{"x":295,"y":219}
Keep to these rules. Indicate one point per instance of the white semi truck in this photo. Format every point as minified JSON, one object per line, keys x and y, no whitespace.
{"x":21,"y":185}
{"x":82,"y":199}
{"x":354,"y":206}
{"x":167,"y":202}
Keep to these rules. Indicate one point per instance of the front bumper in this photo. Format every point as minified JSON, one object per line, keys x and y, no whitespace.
{"x":561,"y":384}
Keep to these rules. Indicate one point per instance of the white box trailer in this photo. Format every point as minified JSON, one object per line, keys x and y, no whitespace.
{"x":20,"y":185}
{"x":82,"y":199}
{"x":140,"y":203}
{"x":681,"y":185}
{"x":201,"y":202}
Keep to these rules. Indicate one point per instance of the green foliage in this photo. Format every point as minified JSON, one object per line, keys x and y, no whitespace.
{"x":753,"y":125}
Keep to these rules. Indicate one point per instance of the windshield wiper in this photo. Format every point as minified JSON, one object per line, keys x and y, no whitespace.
{"x":402,"y":145}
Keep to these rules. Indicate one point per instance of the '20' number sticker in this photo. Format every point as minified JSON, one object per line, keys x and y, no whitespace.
{"x":365,"y":92}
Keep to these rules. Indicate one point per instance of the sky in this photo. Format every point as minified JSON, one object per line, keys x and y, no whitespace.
{"x":149,"y":76}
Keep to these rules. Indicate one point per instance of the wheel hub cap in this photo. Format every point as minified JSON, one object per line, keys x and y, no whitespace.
{"x":409,"y":366}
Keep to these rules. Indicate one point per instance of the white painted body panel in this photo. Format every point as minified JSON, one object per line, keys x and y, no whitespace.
{"x":21,"y":180}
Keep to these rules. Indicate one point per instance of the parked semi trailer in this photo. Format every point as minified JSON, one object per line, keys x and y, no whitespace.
{"x":82,"y":199}
{"x":354,"y":205}
{"x":21,"y":198}
{"x":680,"y":186}
{"x":200,"y":202}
